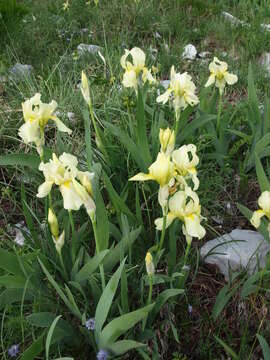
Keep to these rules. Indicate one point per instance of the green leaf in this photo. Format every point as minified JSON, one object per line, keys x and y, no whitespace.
{"x":105,"y":301}
{"x":34,"y":349}
{"x":265,"y":347}
{"x":122,"y":324}
{"x":129,"y":145}
{"x":49,"y":336}
{"x":117,"y":201}
{"x":161,"y":300}
{"x":91,"y":265}
{"x":227,"y":348}
{"x":122,"y":346}
{"x":193,"y":126}
{"x":114,"y":256}
{"x":87,"y":137}
{"x":29,"y":160}
{"x":10,"y":263}
{"x":13,"y":281}
{"x":223,"y":298}
{"x":42,"y":319}
{"x":262,"y":178}
{"x":142,"y":138}
{"x":59,"y":291}
{"x":101,"y":220}
{"x":10,"y":296}
{"x":250,"y":285}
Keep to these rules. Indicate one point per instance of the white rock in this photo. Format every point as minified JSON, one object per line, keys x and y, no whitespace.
{"x":265,"y":61}
{"x":71,"y":117}
{"x":190,"y":52}
{"x":204,"y":54}
{"x":19,"y":228}
{"x":165,"y":83}
{"x":265,"y":27}
{"x":236,"y":250}
{"x":20,"y":71}
{"x":84,"y":49}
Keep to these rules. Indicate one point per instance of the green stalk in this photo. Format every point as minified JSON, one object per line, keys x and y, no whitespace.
{"x":219,"y":114}
{"x":183,"y":279}
{"x":100,"y":142}
{"x":73,"y":245}
{"x":63,"y":266}
{"x":176,"y":125}
{"x":101,"y":268}
{"x":149,"y":300}
{"x":160,"y":246}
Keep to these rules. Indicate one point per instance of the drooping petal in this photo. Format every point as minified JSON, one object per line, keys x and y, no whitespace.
{"x":193,"y":226}
{"x":164,"y":97}
{"x":264,"y":201}
{"x":141,"y":177}
{"x":123,"y":59}
{"x":177,"y":203}
{"x":44,"y":189}
{"x":211,"y":80}
{"x":169,"y":219}
{"x":72,"y":200}
{"x":130,"y":79}
{"x":230,"y":78}
{"x":256,"y":218}
{"x":30,"y":132}
{"x":60,"y":125}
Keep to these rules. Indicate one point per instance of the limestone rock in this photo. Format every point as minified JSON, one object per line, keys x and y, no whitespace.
{"x":235,"y":251}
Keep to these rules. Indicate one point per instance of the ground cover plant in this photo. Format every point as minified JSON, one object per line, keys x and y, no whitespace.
{"x":113,"y":182}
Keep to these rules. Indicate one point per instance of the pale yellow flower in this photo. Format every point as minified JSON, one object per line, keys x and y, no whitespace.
{"x":167,"y":141}
{"x":185,"y":206}
{"x":160,"y":171}
{"x":264,"y":204}
{"x":219,"y":75}
{"x":63,"y":172}
{"x":150,"y":267}
{"x":182,"y":90}
{"x":66,"y":5}
{"x":53,"y":222}
{"x":185,"y":161}
{"x":135,"y":71}
{"x":59,"y":241}
{"x":36,"y":116}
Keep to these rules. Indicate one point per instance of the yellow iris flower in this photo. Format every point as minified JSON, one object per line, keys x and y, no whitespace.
{"x":150,"y":267}
{"x":74,"y":185}
{"x":185,"y":206}
{"x":183,"y":90}
{"x":134,"y":70}
{"x":219,"y":75}
{"x":167,"y":141}
{"x":36,"y":116}
{"x":264,"y":204}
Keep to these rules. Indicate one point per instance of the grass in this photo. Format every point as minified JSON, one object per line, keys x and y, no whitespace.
{"x":47,"y":38}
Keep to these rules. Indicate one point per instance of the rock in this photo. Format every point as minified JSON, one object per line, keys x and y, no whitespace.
{"x":84,"y":49}
{"x":72,"y":117}
{"x":265,"y":27}
{"x":204,"y":54}
{"x":265,"y":62}
{"x":20,"y":71}
{"x":190,"y":52}
{"x":165,"y":83}
{"x":20,"y":229}
{"x":236,"y":250}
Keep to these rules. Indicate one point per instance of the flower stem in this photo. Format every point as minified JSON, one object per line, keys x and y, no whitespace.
{"x":219,"y":114}
{"x":184,"y":270}
{"x":149,"y":300}
{"x":73,"y":247}
{"x":63,"y":265}
{"x":101,"y":268}
{"x":176,"y":125}
{"x":163,"y":232}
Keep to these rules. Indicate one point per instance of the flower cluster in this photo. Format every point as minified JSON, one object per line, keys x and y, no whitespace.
{"x":175,"y":172}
